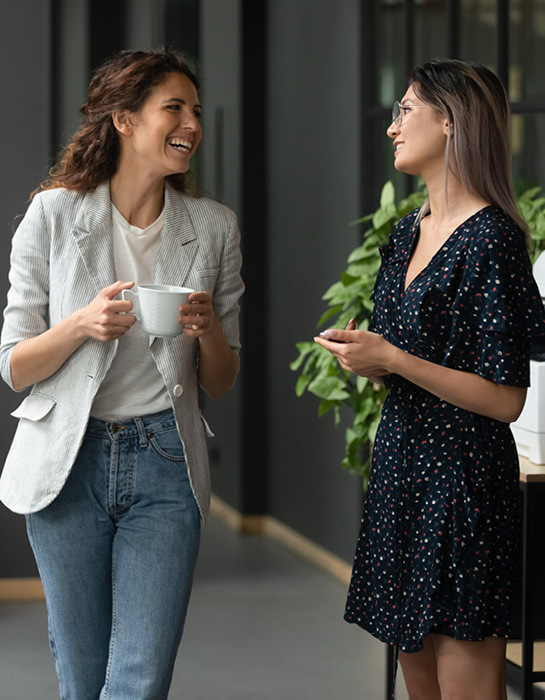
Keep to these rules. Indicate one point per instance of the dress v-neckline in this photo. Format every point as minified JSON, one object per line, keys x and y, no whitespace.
{"x":442,"y":248}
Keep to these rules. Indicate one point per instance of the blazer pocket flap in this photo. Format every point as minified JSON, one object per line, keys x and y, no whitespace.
{"x":34,"y":407}
{"x":206,"y":280}
{"x":210,"y":272}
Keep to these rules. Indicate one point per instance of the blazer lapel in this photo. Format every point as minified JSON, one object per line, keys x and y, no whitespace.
{"x":92,"y":232}
{"x":93,"y":236}
{"x":178,"y":245}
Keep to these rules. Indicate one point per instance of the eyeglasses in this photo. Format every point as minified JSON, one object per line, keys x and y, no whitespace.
{"x":399,"y":111}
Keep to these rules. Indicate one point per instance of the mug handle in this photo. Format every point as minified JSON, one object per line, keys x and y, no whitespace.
{"x":135,"y":302}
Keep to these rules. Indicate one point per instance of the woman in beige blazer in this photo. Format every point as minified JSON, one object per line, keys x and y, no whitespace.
{"x":109,"y":460}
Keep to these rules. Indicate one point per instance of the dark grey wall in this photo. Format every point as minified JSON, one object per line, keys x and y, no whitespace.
{"x":311,"y":175}
{"x":71,"y":66}
{"x":26,"y":127}
{"x":220,"y":60}
{"x":313,"y":137}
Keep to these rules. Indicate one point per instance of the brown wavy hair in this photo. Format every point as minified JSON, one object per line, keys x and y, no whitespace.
{"x":123,"y":82}
{"x":475,"y":102}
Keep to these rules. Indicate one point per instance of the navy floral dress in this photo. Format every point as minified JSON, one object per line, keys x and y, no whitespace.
{"x":440,"y":527}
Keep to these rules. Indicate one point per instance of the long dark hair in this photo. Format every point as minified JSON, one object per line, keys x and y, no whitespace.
{"x":475,"y":102}
{"x":123,"y":82}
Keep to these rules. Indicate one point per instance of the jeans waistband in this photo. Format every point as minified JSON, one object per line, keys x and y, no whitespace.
{"x":139,"y":426}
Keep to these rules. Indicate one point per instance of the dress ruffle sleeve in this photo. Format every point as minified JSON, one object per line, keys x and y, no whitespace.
{"x":498,"y":308}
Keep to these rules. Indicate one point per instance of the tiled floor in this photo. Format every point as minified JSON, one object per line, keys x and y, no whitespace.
{"x":262,"y":625}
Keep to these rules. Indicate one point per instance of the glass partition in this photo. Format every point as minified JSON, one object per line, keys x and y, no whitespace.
{"x":527,"y":49}
{"x":528,"y":138}
{"x":392,"y":78}
{"x":430,"y":25}
{"x":478,"y":29}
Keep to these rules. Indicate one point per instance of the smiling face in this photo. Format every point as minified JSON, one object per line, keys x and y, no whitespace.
{"x":420,"y":139}
{"x":160,"y":138}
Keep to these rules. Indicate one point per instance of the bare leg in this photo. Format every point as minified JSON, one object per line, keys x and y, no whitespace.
{"x":470,"y":670}
{"x":420,"y":672}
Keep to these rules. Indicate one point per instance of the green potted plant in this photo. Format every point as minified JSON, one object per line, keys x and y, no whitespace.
{"x":350,"y":297}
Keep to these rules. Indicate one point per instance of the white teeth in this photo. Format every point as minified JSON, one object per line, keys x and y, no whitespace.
{"x":180,"y":144}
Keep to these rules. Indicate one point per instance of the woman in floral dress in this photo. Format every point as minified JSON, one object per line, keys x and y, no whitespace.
{"x":456,"y":307}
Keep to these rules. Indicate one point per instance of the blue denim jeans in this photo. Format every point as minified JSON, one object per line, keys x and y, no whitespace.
{"x":116,"y":551}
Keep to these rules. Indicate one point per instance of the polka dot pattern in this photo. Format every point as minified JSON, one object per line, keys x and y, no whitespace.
{"x":441,"y":522}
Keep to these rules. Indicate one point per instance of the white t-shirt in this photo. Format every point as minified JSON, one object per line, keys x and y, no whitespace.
{"x":133,"y":385}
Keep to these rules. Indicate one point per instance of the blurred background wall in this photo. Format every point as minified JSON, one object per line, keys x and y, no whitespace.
{"x":297,"y":96}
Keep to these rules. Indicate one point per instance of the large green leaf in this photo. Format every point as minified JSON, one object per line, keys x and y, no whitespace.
{"x":330,"y":388}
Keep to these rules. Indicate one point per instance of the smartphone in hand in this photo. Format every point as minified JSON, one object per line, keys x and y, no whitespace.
{"x":351,"y":326}
{"x":332,"y":340}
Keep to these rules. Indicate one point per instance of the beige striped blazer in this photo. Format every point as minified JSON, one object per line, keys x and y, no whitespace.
{"x":62,"y":256}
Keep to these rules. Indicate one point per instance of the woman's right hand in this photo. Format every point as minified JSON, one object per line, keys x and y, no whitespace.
{"x":361,"y":352}
{"x":106,"y":318}
{"x":35,"y":359}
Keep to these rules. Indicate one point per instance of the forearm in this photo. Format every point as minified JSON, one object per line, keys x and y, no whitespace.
{"x":218,"y":363}
{"x":464,"y":389}
{"x":105,"y":319}
{"x":35,"y":359}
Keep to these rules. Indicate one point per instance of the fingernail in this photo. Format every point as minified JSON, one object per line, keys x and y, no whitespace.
{"x":328,"y":334}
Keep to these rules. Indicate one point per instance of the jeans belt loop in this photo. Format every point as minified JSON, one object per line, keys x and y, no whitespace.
{"x":142,"y":434}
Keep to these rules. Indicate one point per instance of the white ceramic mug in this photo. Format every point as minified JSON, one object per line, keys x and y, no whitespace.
{"x":156,"y":306}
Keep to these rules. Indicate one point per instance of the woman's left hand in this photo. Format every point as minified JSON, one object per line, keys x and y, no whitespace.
{"x":361,"y":352}
{"x":197,"y":316}
{"x":218,"y":362}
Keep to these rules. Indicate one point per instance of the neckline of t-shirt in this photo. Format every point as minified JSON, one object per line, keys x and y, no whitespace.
{"x":122,"y":221}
